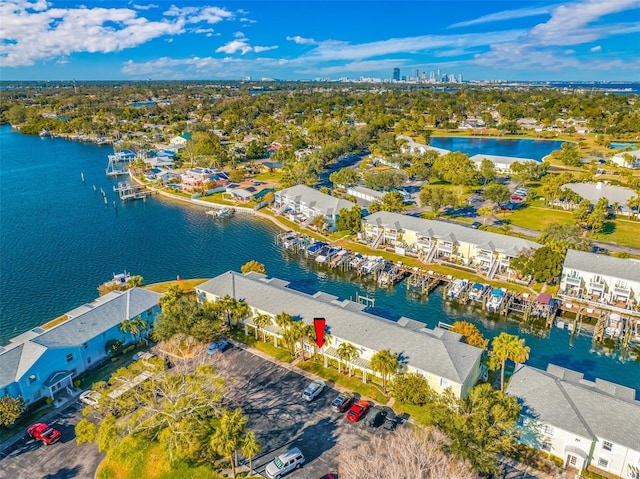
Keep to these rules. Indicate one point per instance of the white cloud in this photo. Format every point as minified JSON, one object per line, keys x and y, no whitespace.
{"x":504,"y":15}
{"x":144,"y":7}
{"x":246,"y":20}
{"x":301,"y":40}
{"x":241,"y":44}
{"x":597,"y":48}
{"x":34,"y":30}
{"x":569,"y":52}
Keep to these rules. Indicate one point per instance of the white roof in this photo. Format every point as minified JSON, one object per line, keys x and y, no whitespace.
{"x":594,"y":191}
{"x":505,"y":160}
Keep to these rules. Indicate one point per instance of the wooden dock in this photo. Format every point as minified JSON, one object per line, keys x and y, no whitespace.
{"x":127,"y":191}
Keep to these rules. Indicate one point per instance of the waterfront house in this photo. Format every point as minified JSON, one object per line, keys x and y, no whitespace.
{"x":502,"y":164}
{"x":43,"y":361}
{"x":587,"y":424}
{"x":415,"y":148}
{"x":627,"y":159}
{"x":439,"y":355}
{"x":197,"y":178}
{"x":601,"y":278}
{"x":432,"y":240}
{"x":302,"y":203}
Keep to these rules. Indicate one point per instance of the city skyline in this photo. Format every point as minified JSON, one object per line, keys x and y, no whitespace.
{"x":588,"y":40}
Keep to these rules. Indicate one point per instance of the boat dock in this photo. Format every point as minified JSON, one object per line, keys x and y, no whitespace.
{"x":127,"y":191}
{"x":221,"y":213}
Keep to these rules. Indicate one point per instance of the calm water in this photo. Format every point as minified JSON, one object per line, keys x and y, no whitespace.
{"x":534,"y":149}
{"x":59,"y":241}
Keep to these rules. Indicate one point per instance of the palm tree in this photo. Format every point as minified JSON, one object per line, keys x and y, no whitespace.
{"x":233,"y":309}
{"x":135,"y":281}
{"x":308,"y":336}
{"x":508,"y":346}
{"x":386,"y":363}
{"x":227,"y":438}
{"x":293,"y":334}
{"x":262,"y":321}
{"x":133,"y":326}
{"x":250,"y":447}
{"x":347,"y":353}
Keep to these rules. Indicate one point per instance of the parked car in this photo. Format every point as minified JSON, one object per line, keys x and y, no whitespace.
{"x":390,"y":423}
{"x":313,"y":390}
{"x":146,"y":355}
{"x":90,"y":397}
{"x":43,"y":432}
{"x":357,"y":410}
{"x":218,"y":346}
{"x":476,"y":224}
{"x":284,"y":463}
{"x":375,"y":417}
{"x":342,"y":402}
{"x":329,"y":476}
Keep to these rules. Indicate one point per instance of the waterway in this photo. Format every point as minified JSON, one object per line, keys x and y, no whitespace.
{"x":519,"y":148}
{"x":59,"y":241}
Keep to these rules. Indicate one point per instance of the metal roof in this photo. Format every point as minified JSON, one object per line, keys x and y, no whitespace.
{"x":444,"y":356}
{"x":623,"y":268}
{"x":440,"y":229}
{"x":582,"y":407}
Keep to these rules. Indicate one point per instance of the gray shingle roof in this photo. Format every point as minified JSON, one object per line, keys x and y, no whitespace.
{"x":449,"y":231}
{"x":578,"y":406}
{"x":107,"y":312}
{"x":313,"y":198}
{"x":445,"y":356}
{"x":623,"y":268}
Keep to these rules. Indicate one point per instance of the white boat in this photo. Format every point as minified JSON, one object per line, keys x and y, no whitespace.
{"x":613,"y":325}
{"x":327,"y":253}
{"x":495,"y":300}
{"x":456,"y":288}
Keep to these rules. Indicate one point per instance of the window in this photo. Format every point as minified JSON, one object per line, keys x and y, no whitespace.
{"x":32,"y":379}
{"x":149,"y":312}
{"x":603,"y":463}
{"x":573,"y":460}
{"x":88,"y":360}
{"x":85,"y":345}
{"x":69,"y":357}
{"x":607,"y":446}
{"x":548,"y":430}
{"x":546,"y":446}
{"x":444,"y":383}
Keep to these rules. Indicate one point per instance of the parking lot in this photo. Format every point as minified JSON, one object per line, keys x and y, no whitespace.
{"x":271,"y":397}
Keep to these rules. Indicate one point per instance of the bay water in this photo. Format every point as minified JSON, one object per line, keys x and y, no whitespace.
{"x":59,"y":241}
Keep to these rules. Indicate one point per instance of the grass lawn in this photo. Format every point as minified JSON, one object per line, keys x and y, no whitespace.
{"x":138,"y":457}
{"x":279,"y":353}
{"x":187,"y":284}
{"x":620,"y":231}
{"x":536,"y":218}
{"x":352,"y":383}
{"x":420,"y":414}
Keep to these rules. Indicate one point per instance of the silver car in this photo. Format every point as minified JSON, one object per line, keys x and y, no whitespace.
{"x":284,"y":463}
{"x":313,"y":390}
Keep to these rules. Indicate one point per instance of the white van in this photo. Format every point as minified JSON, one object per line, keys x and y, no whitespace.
{"x":284,"y":463}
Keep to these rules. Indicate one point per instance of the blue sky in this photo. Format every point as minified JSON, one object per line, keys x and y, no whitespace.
{"x":298,"y":39}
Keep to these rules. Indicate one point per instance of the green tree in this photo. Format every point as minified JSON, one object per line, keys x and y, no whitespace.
{"x":581,"y":213}
{"x":262,"y":321}
{"x":456,"y":168}
{"x":437,"y":197}
{"x":384,"y":180}
{"x":598,"y":215}
{"x":570,"y":155}
{"x":86,"y":431}
{"x":411,"y":388}
{"x":386,"y":363}
{"x":393,"y":201}
{"x":11,"y":408}
{"x":544,"y":265}
{"x":250,"y":447}
{"x":562,"y":236}
{"x":233,"y":309}
{"x":136,"y":281}
{"x":228,"y":436}
{"x":344,"y":178}
{"x":496,"y":193}
{"x":181,"y":315}
{"x":487,"y":170}
{"x":349,"y":220}
{"x":485,"y":212}
{"x":471,"y":334}
{"x":347,"y":352}
{"x":254,"y":266}
{"x":508,"y":347}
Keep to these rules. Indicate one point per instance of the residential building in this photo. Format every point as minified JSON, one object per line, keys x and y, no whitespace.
{"x":437,"y":354}
{"x":502,"y":164}
{"x":627,"y":159}
{"x":601,"y":278}
{"x":43,"y":361}
{"x":197,"y":178}
{"x":617,"y":196}
{"x":180,"y":140}
{"x":415,"y":148}
{"x":593,"y":424}
{"x":485,"y":252}
{"x":366,"y":194}
{"x":304,"y":204}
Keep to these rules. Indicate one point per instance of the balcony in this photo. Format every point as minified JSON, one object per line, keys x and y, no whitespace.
{"x":596,"y":286}
{"x":573,"y":280}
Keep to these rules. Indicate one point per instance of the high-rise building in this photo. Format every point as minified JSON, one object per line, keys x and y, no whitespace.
{"x":417,"y":75}
{"x":396,"y":74}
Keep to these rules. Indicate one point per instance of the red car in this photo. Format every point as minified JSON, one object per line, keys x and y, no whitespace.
{"x":43,"y":432}
{"x":358,"y":411}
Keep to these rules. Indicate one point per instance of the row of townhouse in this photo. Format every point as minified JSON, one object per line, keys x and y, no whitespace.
{"x":601,"y":278}
{"x":43,"y":361}
{"x":439,"y":355}
{"x":303,"y":204}
{"x":433,"y":240}
{"x":593,"y":424}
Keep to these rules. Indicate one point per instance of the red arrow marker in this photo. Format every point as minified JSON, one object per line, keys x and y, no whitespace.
{"x":319,"y":324}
